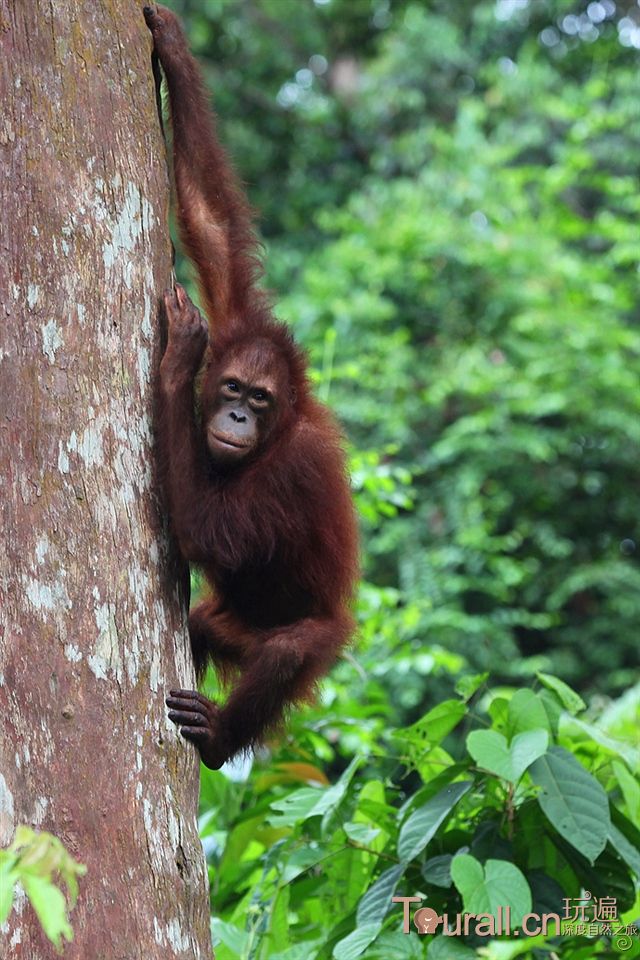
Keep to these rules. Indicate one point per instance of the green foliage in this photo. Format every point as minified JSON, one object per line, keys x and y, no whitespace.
{"x":449,"y":203}
{"x":518,"y":818}
{"x":493,"y":753}
{"x":38,"y":862}
{"x":448,"y":196}
{"x":499,"y":884}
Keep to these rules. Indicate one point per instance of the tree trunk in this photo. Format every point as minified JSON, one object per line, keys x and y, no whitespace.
{"x":92,"y":629}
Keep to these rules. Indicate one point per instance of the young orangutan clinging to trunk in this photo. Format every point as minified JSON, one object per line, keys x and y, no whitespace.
{"x":257,"y":489}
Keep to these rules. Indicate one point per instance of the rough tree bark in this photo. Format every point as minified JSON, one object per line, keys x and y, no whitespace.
{"x":92,"y":630}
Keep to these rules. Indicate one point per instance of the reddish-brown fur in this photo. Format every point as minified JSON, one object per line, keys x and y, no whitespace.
{"x":275,"y":533}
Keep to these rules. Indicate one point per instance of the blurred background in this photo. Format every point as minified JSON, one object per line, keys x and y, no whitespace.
{"x":448,"y":198}
{"x":447,"y":193}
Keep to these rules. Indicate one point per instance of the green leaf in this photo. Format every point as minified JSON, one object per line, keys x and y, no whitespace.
{"x":331,"y":797}
{"x":627,"y":851}
{"x":448,"y":948}
{"x":526,"y":712}
{"x":50,"y":906}
{"x":525,"y":748}
{"x":508,"y":949}
{"x":467,"y":686}
{"x":436,"y":724}
{"x":499,"y":712}
{"x":296,"y":807}
{"x":608,"y":877}
{"x":630,"y":790}
{"x":421,"y":825}
{"x":357,"y":942}
{"x":437,"y":870}
{"x":330,"y":804}
{"x":491,"y":751}
{"x":569,"y":699}
{"x":279,"y":920}
{"x":310,"y":802}
{"x":233,"y":937}
{"x":498,"y":884}
{"x":300,"y":860}
{"x":573,"y":801}
{"x":361,"y":833}
{"x":572,"y":727}
{"x":552,"y":708}
{"x":397,"y":945}
{"x":299,"y":951}
{"x":376,"y":902}
{"x":7,"y":881}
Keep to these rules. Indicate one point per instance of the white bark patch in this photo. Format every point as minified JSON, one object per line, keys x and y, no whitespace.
{"x":90,"y":446}
{"x":42,"y":548}
{"x":63,"y":459}
{"x":173,"y":934}
{"x":7,"y":815}
{"x":155,"y":836}
{"x":72,"y":653}
{"x":51,"y":340}
{"x":155,"y":673}
{"x":130,"y":460}
{"x":176,"y":936}
{"x":44,"y":744}
{"x":146,"y":326}
{"x":139,"y":586}
{"x":106,"y":658}
{"x":47,"y":596}
{"x":134,"y":218}
{"x":19,"y":900}
{"x":160,"y":628}
{"x":173,"y":824}
{"x":33,"y":295}
{"x":144,"y":365}
{"x":40,"y":811}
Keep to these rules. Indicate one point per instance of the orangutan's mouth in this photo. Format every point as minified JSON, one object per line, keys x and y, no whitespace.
{"x":229,"y":441}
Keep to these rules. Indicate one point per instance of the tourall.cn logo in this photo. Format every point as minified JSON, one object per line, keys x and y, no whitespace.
{"x":602,"y":920}
{"x":427,"y":921}
{"x":485,"y":924}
